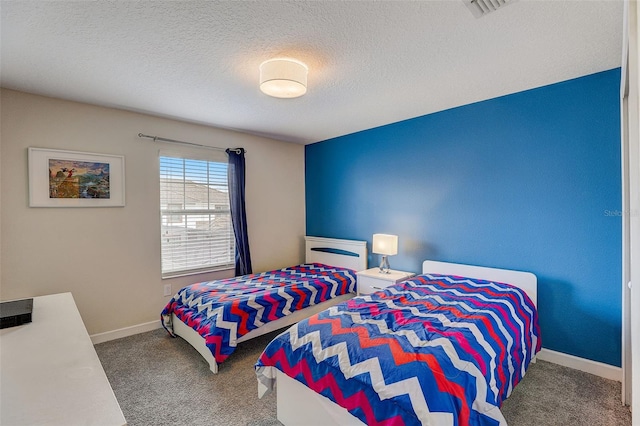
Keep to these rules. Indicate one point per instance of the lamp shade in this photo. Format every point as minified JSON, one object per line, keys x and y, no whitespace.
{"x":283,"y":78}
{"x":385,"y":244}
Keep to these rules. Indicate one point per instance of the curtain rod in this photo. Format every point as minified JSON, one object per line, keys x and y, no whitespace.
{"x":157,"y":138}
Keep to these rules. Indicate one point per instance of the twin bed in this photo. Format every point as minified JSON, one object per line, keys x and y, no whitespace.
{"x":215,"y":316}
{"x":444,"y":348}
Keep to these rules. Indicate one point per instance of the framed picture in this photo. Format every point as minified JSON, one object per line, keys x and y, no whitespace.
{"x":75,"y":179}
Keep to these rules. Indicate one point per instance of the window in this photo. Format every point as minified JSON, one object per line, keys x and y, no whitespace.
{"x":197,"y":233}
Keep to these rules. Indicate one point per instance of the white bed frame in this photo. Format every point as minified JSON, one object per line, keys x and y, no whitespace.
{"x":357,"y":261}
{"x":297,"y":404}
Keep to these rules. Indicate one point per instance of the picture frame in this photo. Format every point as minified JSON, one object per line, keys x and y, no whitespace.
{"x":59,"y":178}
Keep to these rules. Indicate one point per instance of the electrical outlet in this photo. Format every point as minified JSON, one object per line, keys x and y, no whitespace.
{"x":167,"y":289}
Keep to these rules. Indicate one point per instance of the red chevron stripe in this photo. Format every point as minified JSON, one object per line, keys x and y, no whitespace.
{"x":434,"y":307}
{"x":451,"y":388}
{"x":238,"y":310}
{"x":460,"y":338}
{"x":359,"y":304}
{"x":328,"y":381}
{"x":515,"y":331}
{"x":273,"y":302}
{"x":506,"y":318}
{"x":193,"y":320}
{"x":461,"y":314}
{"x":215,"y":341}
{"x":485,"y":321}
{"x":324,"y":289}
{"x":343,"y":282}
{"x":302,"y":296}
{"x":222,"y":298}
{"x":488,"y":290}
{"x":187,"y":316}
{"x":401,"y":357}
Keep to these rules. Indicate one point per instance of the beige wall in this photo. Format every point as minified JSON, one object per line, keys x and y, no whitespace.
{"x":109,"y":258}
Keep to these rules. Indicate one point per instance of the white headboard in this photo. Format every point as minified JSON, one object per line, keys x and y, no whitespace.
{"x":353,"y":256}
{"x":524,"y":280}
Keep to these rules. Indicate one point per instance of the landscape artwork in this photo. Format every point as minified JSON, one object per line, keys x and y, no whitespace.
{"x":78,"y":179}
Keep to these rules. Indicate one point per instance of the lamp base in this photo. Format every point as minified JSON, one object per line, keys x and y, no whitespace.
{"x":384,"y":265}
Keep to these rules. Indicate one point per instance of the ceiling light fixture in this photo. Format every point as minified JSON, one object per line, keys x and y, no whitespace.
{"x":283,"y":78}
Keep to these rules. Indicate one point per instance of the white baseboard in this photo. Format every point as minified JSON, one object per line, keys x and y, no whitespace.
{"x":593,"y":367}
{"x":125,"y":332}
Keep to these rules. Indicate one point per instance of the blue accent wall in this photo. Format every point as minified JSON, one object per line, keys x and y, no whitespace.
{"x":529,"y":181}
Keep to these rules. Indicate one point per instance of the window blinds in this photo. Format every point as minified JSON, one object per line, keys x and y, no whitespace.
{"x":196,"y":231}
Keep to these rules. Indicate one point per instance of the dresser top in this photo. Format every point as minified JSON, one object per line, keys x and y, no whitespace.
{"x":393,"y":275}
{"x":50,"y":371}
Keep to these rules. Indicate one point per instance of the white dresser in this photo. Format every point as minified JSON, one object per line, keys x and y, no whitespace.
{"x":50,"y":373}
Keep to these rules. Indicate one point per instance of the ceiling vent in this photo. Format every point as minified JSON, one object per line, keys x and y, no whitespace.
{"x":480,"y":8}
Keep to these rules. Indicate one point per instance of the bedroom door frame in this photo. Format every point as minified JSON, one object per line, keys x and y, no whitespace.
{"x":630,"y":150}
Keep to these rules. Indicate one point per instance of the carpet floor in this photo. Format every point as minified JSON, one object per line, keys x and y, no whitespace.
{"x":159,"y":380}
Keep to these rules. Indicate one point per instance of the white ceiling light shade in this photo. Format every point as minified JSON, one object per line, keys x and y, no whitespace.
{"x":283,"y":78}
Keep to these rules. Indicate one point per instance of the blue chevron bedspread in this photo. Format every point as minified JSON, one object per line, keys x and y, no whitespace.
{"x":222,"y":311}
{"x":437,"y":350}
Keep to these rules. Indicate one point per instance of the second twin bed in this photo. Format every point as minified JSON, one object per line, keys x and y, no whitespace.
{"x":444,"y":348}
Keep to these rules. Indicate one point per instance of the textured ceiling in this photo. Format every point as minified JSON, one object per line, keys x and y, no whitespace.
{"x":370,"y":63}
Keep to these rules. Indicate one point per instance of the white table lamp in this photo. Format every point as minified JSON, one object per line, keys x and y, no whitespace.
{"x":386,"y":245}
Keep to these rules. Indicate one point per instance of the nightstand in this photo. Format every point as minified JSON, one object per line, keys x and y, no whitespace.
{"x":372,"y":280}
